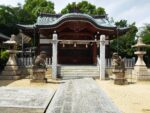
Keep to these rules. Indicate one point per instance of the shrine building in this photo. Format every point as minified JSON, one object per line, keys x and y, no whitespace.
{"x":74,"y":38}
{"x":77,"y":36}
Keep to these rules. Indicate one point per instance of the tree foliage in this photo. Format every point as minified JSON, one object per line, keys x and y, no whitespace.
{"x":27,"y":14}
{"x":123,"y":43}
{"x":83,"y":7}
{"x":145,"y":34}
{"x":7,"y":16}
{"x":37,"y":6}
{"x":3,"y":58}
{"x":8,"y":20}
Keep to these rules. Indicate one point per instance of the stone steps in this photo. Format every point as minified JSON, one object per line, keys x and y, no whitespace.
{"x":72,"y":72}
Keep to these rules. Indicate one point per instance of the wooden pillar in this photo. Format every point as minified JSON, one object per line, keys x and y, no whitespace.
{"x":94,"y":53}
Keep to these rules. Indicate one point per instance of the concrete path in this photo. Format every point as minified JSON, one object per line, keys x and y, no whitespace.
{"x":81,"y":96}
{"x":16,"y":100}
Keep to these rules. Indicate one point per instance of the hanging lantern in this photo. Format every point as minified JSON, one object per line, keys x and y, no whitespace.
{"x":75,"y":45}
{"x":86,"y":45}
{"x":95,"y":38}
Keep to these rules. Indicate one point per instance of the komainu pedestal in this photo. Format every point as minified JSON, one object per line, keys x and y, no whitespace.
{"x":38,"y":75}
{"x":118,"y":70}
{"x":119,"y":77}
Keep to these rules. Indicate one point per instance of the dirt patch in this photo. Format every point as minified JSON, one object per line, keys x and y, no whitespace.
{"x":132,"y":98}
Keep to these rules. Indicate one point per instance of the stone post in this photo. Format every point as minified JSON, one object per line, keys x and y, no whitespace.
{"x":54,"y":55}
{"x":102,"y":57}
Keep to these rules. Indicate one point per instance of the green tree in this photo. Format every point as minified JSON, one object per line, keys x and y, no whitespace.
{"x":23,"y":16}
{"x":7,"y":16}
{"x":37,"y":6}
{"x":8,"y":20}
{"x":83,"y":7}
{"x":3,"y":59}
{"x":145,"y":34}
{"x":121,"y":23}
{"x":122,"y":44}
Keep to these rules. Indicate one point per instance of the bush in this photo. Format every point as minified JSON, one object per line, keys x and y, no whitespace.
{"x":3,"y":59}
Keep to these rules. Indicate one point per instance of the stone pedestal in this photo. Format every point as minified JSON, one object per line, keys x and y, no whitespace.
{"x":11,"y":70}
{"x":119,"y":77}
{"x":140,"y":70}
{"x":38,"y":75}
{"x":141,"y":73}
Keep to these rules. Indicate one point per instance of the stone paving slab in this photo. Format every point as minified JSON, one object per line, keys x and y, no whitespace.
{"x":14,"y":100}
{"x":81,"y":96}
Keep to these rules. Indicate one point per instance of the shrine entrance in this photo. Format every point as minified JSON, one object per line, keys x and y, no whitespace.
{"x":75,"y":55}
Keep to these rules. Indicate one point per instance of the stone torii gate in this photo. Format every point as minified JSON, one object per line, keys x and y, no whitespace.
{"x":54,"y":55}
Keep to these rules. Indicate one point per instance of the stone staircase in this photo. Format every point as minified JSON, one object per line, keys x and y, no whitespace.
{"x":75,"y":72}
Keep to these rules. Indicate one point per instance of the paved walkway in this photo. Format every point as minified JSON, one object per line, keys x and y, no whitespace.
{"x":18,"y":100}
{"x":81,"y":96}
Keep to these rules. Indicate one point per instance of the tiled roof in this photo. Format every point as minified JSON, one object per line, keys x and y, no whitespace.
{"x":52,"y":20}
{"x":4,"y":37}
{"x":49,"y":20}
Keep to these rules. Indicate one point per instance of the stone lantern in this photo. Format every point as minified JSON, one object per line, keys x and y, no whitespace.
{"x":140,"y":69}
{"x":11,"y":69}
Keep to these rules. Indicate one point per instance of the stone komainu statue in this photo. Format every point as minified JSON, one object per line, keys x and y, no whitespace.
{"x":39,"y":61}
{"x":117,"y":62}
{"x":39,"y":68}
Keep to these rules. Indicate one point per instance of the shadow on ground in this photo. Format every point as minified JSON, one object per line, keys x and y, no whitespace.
{"x":6,"y":82}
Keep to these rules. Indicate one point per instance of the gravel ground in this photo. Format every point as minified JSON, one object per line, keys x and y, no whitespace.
{"x":25,"y":83}
{"x":132,"y":98}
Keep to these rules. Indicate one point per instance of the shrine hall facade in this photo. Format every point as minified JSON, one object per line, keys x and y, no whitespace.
{"x":72,"y":38}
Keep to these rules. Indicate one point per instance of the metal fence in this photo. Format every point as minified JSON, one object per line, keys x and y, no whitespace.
{"x":27,"y":61}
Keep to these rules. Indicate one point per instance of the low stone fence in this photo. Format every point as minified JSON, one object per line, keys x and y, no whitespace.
{"x":27,"y":61}
{"x":25,"y":65}
{"x":128,"y":73}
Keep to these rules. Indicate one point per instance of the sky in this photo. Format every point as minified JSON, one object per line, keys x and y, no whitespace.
{"x":132,"y":10}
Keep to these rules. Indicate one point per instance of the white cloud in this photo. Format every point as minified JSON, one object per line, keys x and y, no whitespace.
{"x":137,"y":14}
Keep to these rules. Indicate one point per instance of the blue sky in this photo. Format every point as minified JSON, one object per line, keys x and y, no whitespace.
{"x":133,"y":10}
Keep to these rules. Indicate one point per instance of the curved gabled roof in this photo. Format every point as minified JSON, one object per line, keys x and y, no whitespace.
{"x":99,"y":23}
{"x":44,"y":21}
